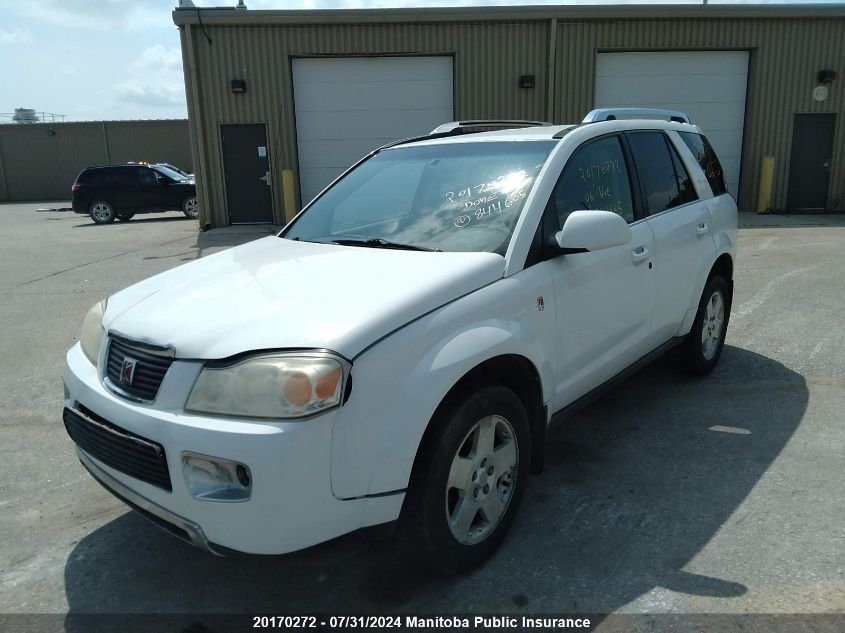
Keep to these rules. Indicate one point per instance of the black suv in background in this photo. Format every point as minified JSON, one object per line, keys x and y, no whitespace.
{"x":120,"y":191}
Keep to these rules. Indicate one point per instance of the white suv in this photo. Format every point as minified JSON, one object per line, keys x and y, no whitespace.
{"x":396,"y":354}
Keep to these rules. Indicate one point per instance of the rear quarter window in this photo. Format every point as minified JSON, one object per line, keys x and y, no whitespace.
{"x":89,"y":176}
{"x":707,"y":159}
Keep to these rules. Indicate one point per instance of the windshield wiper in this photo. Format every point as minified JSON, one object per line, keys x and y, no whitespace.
{"x":377,"y":242}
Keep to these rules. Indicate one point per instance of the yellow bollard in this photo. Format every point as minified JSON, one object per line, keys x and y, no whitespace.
{"x":764,"y":195}
{"x":290,"y":198}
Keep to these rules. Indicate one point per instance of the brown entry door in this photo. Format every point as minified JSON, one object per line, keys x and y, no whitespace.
{"x":811,"y":161}
{"x":246,"y":164}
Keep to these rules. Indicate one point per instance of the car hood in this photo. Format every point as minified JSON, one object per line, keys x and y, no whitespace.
{"x":275,"y":293}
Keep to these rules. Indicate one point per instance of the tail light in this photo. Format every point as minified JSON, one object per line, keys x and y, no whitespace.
{"x":75,"y":187}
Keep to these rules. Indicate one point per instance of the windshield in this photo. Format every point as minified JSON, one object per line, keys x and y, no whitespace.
{"x":449,"y":197}
{"x":170,"y":173}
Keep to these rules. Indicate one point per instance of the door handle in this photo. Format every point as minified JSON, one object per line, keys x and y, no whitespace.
{"x":639,"y":254}
{"x":266,"y":178}
{"x":701,"y":229}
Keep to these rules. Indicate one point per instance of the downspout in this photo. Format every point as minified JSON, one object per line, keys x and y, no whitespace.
{"x":199,"y":169}
{"x":106,"y":144}
{"x":4,"y":186}
{"x":550,"y":105}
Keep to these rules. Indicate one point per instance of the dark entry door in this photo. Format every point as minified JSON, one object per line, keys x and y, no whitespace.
{"x":811,"y":161}
{"x":246,"y":164}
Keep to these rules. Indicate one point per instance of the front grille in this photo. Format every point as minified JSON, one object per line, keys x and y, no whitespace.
{"x":116,"y":447}
{"x":147,"y":375}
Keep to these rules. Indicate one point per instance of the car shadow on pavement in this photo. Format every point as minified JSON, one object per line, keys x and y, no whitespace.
{"x":152,"y":219}
{"x":634,"y":487}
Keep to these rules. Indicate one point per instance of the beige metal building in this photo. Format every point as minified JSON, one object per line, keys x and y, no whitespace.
{"x":280,"y":102}
{"x":40,"y":161}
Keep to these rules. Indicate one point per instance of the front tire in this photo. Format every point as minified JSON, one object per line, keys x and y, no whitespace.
{"x":468,"y":480}
{"x":102,"y":212}
{"x":190,"y":207}
{"x":703,"y":345}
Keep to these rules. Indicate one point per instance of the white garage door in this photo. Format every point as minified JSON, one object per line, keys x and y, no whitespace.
{"x":346,"y":107}
{"x":707,"y":85}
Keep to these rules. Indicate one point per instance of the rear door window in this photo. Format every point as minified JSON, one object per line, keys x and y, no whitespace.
{"x":119,"y":174}
{"x":145,"y":175}
{"x":655,"y":170}
{"x":706,"y":157}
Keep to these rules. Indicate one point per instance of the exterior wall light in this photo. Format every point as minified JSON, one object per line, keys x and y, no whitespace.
{"x":823,"y":80}
{"x":826,"y":76}
{"x":238,"y":85}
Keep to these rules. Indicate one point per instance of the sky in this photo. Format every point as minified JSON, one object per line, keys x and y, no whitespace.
{"x":120,"y":59}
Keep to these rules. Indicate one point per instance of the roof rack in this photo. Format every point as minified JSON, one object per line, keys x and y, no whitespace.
{"x":456,"y":126}
{"x":611,"y":114}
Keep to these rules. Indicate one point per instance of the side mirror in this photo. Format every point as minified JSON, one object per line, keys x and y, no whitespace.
{"x":592,"y":231}
{"x":164,"y":180}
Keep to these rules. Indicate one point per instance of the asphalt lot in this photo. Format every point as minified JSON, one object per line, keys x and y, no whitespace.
{"x":668,"y":495}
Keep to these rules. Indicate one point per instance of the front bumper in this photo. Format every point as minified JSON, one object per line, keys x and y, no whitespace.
{"x":162,"y":517}
{"x":291,"y":506}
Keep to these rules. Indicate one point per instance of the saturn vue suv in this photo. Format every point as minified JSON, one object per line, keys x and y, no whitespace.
{"x":396,"y":354}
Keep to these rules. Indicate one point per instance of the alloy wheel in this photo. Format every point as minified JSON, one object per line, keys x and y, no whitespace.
{"x":101,"y":212}
{"x":711,"y":326}
{"x":481,"y":479}
{"x":191,"y":209}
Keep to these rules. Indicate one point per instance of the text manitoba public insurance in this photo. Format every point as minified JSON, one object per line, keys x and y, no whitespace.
{"x":496,"y":622}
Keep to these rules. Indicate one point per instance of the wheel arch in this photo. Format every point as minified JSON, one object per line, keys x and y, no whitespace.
{"x":517,"y":373}
{"x":96,"y":199}
{"x":723,"y":265}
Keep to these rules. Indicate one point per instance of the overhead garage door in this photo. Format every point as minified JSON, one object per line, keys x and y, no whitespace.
{"x":708,"y":85}
{"x":346,"y":107}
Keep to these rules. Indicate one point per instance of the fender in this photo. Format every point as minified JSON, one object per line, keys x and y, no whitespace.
{"x":406,"y":376}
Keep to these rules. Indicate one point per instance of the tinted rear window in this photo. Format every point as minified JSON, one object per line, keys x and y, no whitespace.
{"x":89,"y":176}
{"x":706,"y":157}
{"x":106,"y":175}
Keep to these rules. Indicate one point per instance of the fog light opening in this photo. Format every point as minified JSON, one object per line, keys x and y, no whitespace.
{"x":216,"y":478}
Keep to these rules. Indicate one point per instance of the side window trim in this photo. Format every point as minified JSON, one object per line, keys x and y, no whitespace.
{"x":641,"y":194}
{"x":637,"y":195}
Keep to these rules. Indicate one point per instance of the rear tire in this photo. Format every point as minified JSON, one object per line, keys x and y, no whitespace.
{"x":190,"y":207}
{"x":468,"y":479}
{"x":102,"y":212}
{"x":703,"y":345}
{"x":125,"y":216}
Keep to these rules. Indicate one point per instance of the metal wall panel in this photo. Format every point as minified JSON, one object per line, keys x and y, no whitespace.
{"x":489,"y":58}
{"x":41,"y":161}
{"x":785,"y":54}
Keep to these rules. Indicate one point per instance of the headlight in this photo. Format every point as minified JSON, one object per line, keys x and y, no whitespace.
{"x":272,"y":386}
{"x":93,"y":332}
